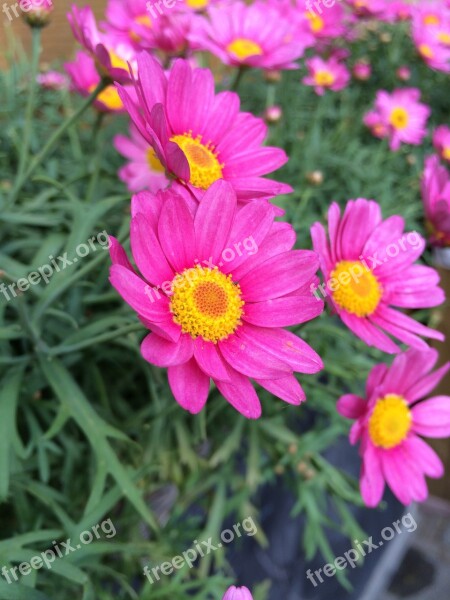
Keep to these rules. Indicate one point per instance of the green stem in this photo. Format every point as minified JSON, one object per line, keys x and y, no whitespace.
{"x":238,"y":78}
{"x":39,"y":158}
{"x":27,"y":132}
{"x":96,"y":143}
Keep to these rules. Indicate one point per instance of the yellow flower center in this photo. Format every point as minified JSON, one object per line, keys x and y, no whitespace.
{"x":316,"y":22}
{"x":426,"y":50}
{"x":243,"y":48}
{"x":324,"y":78}
{"x":117,"y":62}
{"x":203,"y":163}
{"x":197,"y":4}
{"x":390,"y":421}
{"x":206,"y":303}
{"x":444,"y":38}
{"x":143,"y":20}
{"x":431,"y":20}
{"x":154,"y":162}
{"x":358,"y":290}
{"x":446,"y":153}
{"x":109,"y":97}
{"x":399,"y":118}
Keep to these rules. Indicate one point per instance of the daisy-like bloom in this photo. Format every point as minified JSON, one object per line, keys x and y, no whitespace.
{"x":441,"y":142}
{"x":131,"y":21}
{"x":328,"y":74}
{"x":53,"y":80}
{"x":85,"y":78}
{"x":368,"y":267}
{"x":218,"y":286}
{"x":257,"y":35}
{"x":389,"y":422}
{"x":436,"y":200}
{"x":199,"y":136}
{"x":237,"y":593}
{"x":144,"y":170}
{"x":329,"y":23}
{"x":110,"y":53}
{"x":402,"y":114}
{"x":362,"y":70}
{"x":377,"y":126}
{"x":433,"y":46}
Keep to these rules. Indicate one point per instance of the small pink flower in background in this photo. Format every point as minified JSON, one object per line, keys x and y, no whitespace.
{"x":273,"y":114}
{"x":260,"y":35}
{"x":441,"y":142}
{"x":199,"y":136}
{"x":130,"y":21}
{"x":218,"y":286}
{"x":404,"y":73}
{"x":368,"y":8}
{"x":110,"y":53}
{"x":436,"y":200}
{"x":144,"y":170}
{"x":327,"y":23}
{"x":326,"y":74}
{"x":397,"y":11}
{"x":85,"y":78}
{"x":362,"y":70}
{"x":431,"y":33}
{"x":374,"y":122}
{"x":402,"y":114}
{"x":53,"y":80}
{"x":368,"y":267}
{"x":235,"y":593}
{"x":389,"y":421}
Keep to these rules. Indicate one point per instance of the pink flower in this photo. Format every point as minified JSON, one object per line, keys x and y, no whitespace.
{"x":235,"y":593}
{"x":404,"y":73}
{"x":259,"y":35}
{"x":368,"y":8}
{"x":110,"y":53}
{"x":403,"y":116}
{"x":326,"y":74}
{"x":368,"y":267}
{"x":431,"y":34}
{"x":218,"y":286}
{"x":53,"y":80}
{"x":201,"y":137}
{"x":144,"y":170}
{"x":441,"y":142}
{"x":322,"y":22}
{"x":389,"y":422}
{"x":362,"y":70}
{"x":85,"y":78}
{"x":436,"y":200}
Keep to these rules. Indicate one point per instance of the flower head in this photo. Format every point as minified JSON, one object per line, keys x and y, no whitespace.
{"x":436,"y":200}
{"x":38,"y":12}
{"x":401,"y":115}
{"x":362,"y":70}
{"x":53,"y":80}
{"x":201,"y":137}
{"x":143,"y":170}
{"x":235,"y":593}
{"x":328,"y":74}
{"x":389,"y":421}
{"x":258,"y":35}
{"x":441,"y":142}
{"x":368,"y":267}
{"x":327,"y":24}
{"x":218,"y":284}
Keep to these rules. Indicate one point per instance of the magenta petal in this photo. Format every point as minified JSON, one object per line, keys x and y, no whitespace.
{"x":136,"y":293}
{"x":213,"y":221}
{"x":431,"y":418}
{"x":163,"y":353}
{"x":427,"y":384}
{"x":369,"y":333}
{"x":118,"y":254}
{"x":351,"y":406}
{"x":176,"y":233}
{"x":283,"y":312}
{"x":396,"y":477}
{"x":148,"y":253}
{"x":149,"y":204}
{"x":425,"y":457}
{"x":371,"y":480}
{"x":286,"y":388}
{"x":320,"y":245}
{"x":210,"y":360}
{"x":189,"y":385}
{"x":375,"y":378}
{"x":240,"y":394}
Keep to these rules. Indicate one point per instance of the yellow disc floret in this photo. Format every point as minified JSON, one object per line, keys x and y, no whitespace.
{"x":426,"y":50}
{"x":206,"y":303}
{"x":197,"y":4}
{"x":109,"y":97}
{"x":390,"y":421}
{"x":316,"y":22}
{"x":153,"y":161}
{"x":243,"y":48}
{"x":204,"y":165}
{"x":399,"y":118}
{"x":324,"y":78}
{"x":357,"y":290}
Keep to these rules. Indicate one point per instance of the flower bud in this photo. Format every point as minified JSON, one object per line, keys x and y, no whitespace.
{"x":37,"y":12}
{"x":273,"y":114}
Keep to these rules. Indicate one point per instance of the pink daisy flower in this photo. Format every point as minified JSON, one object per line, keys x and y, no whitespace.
{"x":53,"y":80}
{"x":199,"y":136}
{"x":217,"y":288}
{"x":235,"y":593}
{"x":85,"y":78}
{"x":328,"y":74}
{"x":436,"y":200}
{"x":144,"y":170}
{"x":441,"y":142}
{"x":402,"y":114}
{"x":323,"y":23}
{"x":433,"y":45}
{"x":258,"y":35}
{"x":110,"y":53}
{"x":368,"y":267}
{"x":389,"y":422}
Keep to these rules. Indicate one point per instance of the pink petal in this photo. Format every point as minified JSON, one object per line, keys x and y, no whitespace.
{"x":118,"y":254}
{"x":371,"y":479}
{"x":176,"y":233}
{"x":283,"y":312}
{"x":189,"y":385}
{"x":427,"y":384}
{"x":424,"y":456}
{"x":369,"y":334}
{"x":209,"y":360}
{"x":351,"y":406}
{"x":286,"y":388}
{"x":240,"y":394}
{"x":431,"y":418}
{"x":148,"y":253}
{"x":375,"y":378}
{"x":162,"y":353}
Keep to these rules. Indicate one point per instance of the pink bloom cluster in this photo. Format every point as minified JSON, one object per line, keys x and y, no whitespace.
{"x":431,"y":33}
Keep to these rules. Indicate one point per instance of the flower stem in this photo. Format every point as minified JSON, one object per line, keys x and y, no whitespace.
{"x":237,"y":80}
{"x":38,"y":159}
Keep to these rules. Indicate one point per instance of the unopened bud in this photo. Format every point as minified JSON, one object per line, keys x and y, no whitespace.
{"x":315,"y":177}
{"x":273,"y":114}
{"x":37,"y":13}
